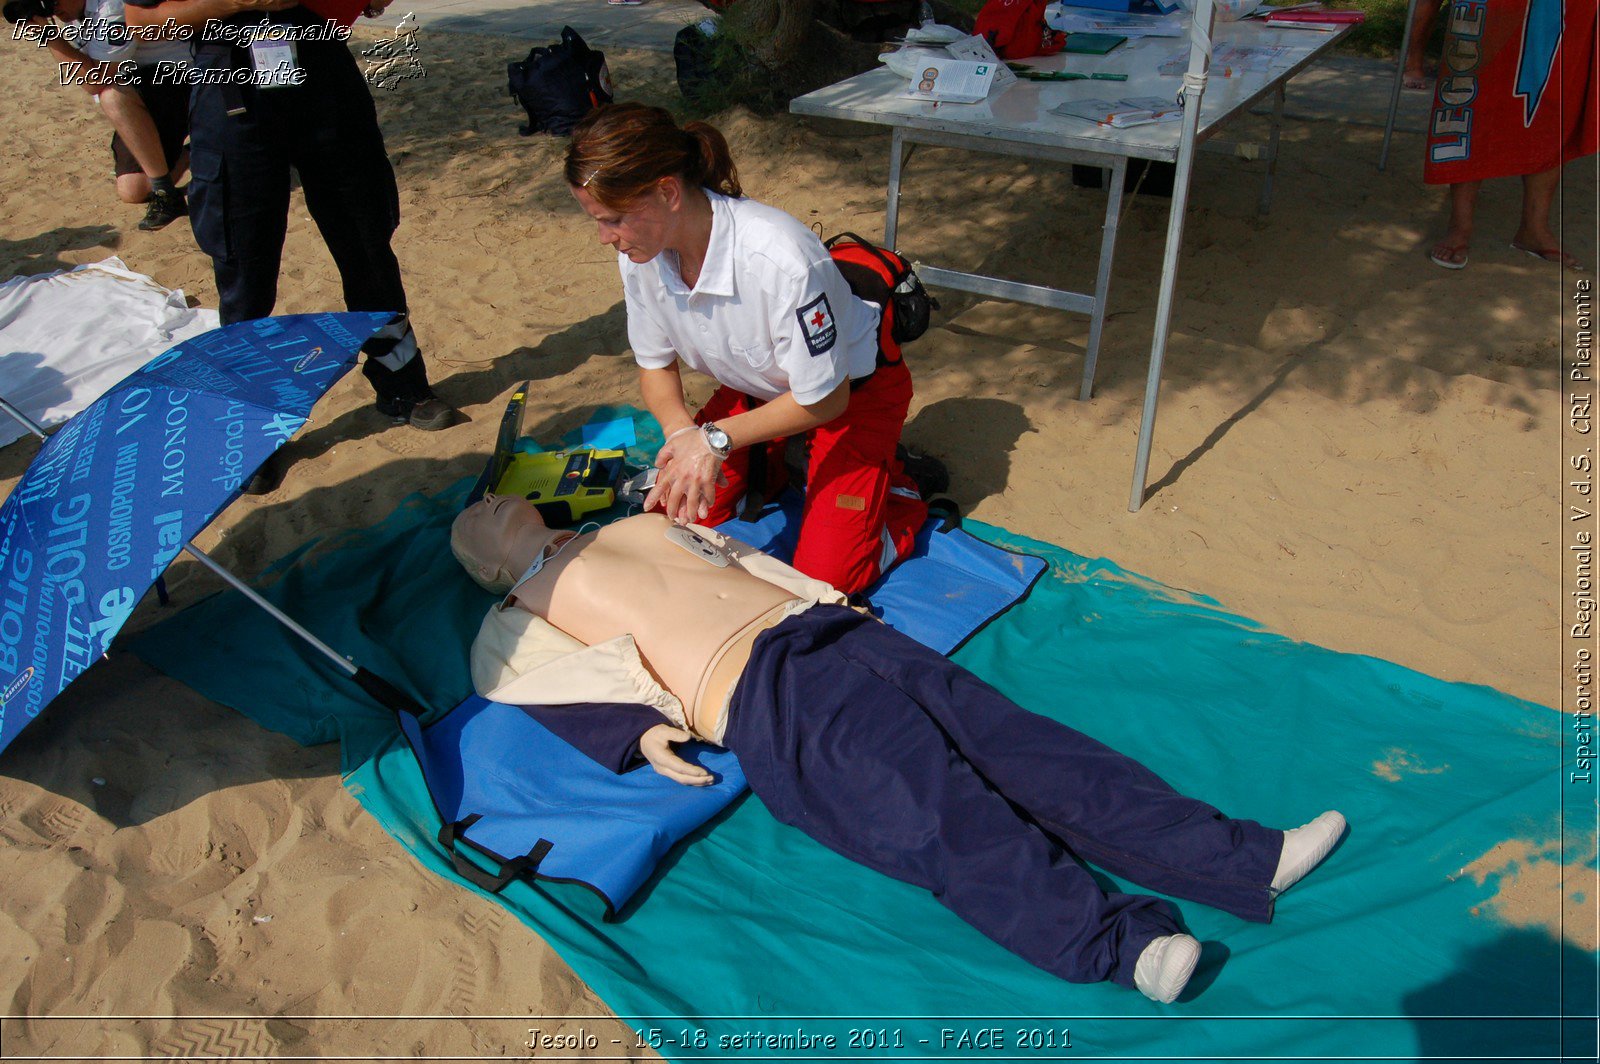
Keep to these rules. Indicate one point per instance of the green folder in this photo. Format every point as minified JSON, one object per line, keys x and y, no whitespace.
{"x":1093,"y":43}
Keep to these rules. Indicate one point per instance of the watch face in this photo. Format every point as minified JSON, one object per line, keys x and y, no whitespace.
{"x":717,"y":438}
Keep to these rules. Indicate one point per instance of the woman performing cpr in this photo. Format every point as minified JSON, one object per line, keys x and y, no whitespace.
{"x":749,"y":296}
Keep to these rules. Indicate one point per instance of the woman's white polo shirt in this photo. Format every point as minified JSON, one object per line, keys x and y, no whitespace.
{"x":769,"y":314}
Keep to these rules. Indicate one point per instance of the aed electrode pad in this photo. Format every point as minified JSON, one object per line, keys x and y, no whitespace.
{"x":697,"y":545}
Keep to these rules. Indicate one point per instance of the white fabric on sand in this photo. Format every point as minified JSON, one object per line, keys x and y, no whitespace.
{"x":67,"y":338}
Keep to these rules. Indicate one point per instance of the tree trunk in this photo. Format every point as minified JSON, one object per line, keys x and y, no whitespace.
{"x":797,"y":49}
{"x":775,"y":30}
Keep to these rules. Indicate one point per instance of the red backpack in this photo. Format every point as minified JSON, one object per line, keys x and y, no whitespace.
{"x":887,"y":279}
{"x":1017,"y":30}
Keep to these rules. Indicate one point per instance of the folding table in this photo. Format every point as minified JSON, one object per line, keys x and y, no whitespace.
{"x":1017,"y":120}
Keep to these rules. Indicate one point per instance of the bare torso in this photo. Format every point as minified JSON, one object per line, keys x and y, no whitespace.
{"x":685,"y":614}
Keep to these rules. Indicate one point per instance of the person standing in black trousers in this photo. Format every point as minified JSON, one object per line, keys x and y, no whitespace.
{"x":245,"y":136}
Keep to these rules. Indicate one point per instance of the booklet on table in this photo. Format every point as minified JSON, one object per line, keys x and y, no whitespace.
{"x":1119,"y":114}
{"x":964,"y":71}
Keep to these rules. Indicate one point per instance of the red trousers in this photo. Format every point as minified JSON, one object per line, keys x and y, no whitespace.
{"x":861,"y":511}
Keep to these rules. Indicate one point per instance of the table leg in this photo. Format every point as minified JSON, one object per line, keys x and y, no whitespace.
{"x":1265,"y":204}
{"x":1102,"y":283}
{"x":891,"y":214}
{"x":1394,"y":90}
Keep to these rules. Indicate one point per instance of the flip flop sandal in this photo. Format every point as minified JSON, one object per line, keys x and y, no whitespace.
{"x":1439,"y":260}
{"x":1551,"y":255}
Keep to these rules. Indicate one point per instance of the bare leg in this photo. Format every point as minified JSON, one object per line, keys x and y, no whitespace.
{"x":1534,"y":235}
{"x":1451,"y":252}
{"x":132,"y":119}
{"x":133,"y":188}
{"x":1416,"y":75}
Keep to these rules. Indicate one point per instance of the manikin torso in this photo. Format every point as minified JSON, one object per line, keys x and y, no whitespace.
{"x":685,"y":614}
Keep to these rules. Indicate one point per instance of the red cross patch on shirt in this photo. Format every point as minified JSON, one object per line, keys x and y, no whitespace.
{"x":816,"y":325}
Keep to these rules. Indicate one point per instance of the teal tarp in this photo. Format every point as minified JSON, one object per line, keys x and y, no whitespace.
{"x":1413,"y":941}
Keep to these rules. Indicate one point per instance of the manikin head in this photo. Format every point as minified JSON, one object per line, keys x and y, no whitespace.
{"x":497,"y":538}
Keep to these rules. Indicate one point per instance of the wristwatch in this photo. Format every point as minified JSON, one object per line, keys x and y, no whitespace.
{"x":716,"y":440}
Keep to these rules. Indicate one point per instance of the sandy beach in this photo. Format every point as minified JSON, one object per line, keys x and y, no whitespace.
{"x":1355,"y":448}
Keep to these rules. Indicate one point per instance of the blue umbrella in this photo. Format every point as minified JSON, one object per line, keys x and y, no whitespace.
{"x":119,"y":490}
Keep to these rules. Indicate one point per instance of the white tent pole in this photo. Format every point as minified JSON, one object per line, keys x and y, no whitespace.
{"x":22,"y":419}
{"x":1194,"y":87}
{"x":1399,"y":78}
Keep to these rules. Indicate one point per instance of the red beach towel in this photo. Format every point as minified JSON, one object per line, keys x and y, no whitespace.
{"x":1517,"y":90}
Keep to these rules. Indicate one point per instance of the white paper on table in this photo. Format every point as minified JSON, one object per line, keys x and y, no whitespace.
{"x":933,"y":33}
{"x":1232,"y":60}
{"x":1120,"y":114}
{"x":952,"y":81}
{"x":911,"y":60}
{"x":976,"y":49}
{"x":1288,"y":24}
{"x":1070,"y":19}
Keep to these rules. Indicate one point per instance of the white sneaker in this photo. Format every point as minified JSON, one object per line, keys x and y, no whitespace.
{"x":1305,"y":847}
{"x":1164,"y":968}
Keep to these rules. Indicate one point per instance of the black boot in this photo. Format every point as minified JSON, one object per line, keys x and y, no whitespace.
{"x":404,"y":395}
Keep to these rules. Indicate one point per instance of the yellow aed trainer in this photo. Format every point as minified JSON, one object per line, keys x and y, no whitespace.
{"x":564,"y":486}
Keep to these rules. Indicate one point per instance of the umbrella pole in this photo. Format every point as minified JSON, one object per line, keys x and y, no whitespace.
{"x":1399,"y":76}
{"x":22,"y":419}
{"x":373,"y":684}
{"x":1194,"y":87}
{"x":278,"y":615}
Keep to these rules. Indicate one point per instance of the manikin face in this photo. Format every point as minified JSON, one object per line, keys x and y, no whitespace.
{"x":643,"y":230}
{"x":497,"y":538}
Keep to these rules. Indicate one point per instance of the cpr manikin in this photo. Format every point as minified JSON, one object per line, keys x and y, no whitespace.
{"x":627,"y":639}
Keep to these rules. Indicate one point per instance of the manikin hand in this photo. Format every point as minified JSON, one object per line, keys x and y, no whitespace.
{"x":656,"y":745}
{"x":690,"y":473}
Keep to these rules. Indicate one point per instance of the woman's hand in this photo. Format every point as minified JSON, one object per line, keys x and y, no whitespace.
{"x":690,"y":473}
{"x":656,"y":746}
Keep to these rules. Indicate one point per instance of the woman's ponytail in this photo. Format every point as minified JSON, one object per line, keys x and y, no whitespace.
{"x":620,"y":150}
{"x":715,"y":169}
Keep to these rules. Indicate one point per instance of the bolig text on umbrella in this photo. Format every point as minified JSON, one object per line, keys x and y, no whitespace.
{"x":117,"y":492}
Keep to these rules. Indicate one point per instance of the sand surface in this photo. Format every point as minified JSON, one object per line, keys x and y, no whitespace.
{"x":1355,"y":448}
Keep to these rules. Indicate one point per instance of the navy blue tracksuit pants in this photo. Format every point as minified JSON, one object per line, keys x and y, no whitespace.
{"x":895,"y":757}
{"x":327,"y":130}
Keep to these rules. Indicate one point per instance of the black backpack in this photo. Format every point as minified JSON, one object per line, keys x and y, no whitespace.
{"x":692,"y":58}
{"x":559,"y":83}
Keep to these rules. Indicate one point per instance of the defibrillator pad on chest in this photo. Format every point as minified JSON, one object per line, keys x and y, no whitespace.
{"x":697,"y":545}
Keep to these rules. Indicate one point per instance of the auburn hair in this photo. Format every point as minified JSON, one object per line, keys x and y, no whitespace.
{"x":620,"y":150}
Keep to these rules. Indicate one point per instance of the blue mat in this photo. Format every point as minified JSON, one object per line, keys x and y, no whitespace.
{"x":1419,"y":925}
